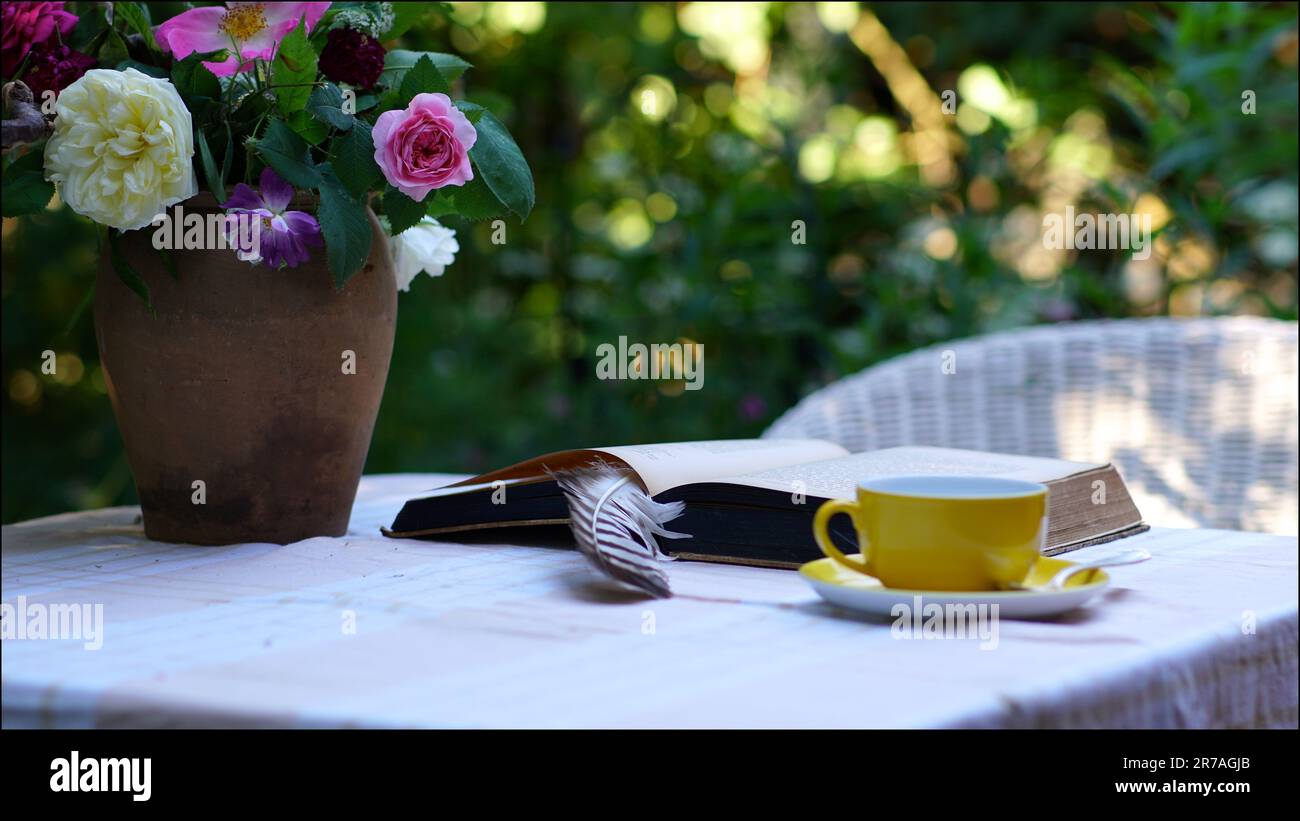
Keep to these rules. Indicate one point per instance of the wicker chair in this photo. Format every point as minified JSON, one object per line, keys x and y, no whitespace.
{"x":1199,"y":415}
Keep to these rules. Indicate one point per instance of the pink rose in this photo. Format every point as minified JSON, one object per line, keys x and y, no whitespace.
{"x":425,"y":146}
{"x":29,"y":24}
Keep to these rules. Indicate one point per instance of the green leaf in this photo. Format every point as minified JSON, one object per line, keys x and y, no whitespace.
{"x":405,"y":15}
{"x":423,"y":77}
{"x":250,"y":112}
{"x":25,"y":188}
{"x":193,"y":79}
{"x":113,"y":49}
{"x":502,"y":165}
{"x":442,"y":204}
{"x":136,"y":16}
{"x":475,"y":201}
{"x":286,"y":152}
{"x":401,"y":210}
{"x":326,"y":105}
{"x":308,"y":127}
{"x":228,"y":161}
{"x":345,"y":227}
{"x":91,"y":26}
{"x":143,"y":68}
{"x":354,"y":159}
{"x":125,"y":272}
{"x":26,"y":194}
{"x":211,"y":173}
{"x":294,"y":70}
{"x":399,"y":61}
{"x":472,"y":111}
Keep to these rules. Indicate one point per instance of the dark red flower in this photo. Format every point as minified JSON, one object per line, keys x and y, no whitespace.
{"x":352,"y":57}
{"x":54,"y":67}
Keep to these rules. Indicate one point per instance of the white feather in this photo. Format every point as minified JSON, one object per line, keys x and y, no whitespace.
{"x":615,"y":524}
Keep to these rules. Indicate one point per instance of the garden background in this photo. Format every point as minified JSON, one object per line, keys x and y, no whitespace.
{"x":675,"y":147}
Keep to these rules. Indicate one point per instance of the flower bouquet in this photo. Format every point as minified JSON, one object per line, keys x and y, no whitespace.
{"x":267,"y":176}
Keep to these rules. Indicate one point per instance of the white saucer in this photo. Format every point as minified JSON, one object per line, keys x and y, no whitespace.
{"x":856,"y":591}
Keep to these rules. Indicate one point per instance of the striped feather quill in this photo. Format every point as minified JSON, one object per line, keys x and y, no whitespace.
{"x":615,"y":523}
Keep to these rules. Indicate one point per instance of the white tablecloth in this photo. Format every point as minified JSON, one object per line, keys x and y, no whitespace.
{"x":369,"y":631}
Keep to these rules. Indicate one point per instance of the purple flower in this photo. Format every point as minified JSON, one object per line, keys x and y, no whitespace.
{"x":752,"y":407}
{"x":283,"y":236}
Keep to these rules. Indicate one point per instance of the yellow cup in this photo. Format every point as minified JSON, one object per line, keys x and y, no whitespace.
{"x":942,"y":532}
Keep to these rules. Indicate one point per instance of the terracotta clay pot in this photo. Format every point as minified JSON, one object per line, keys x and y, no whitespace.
{"x":240,"y":381}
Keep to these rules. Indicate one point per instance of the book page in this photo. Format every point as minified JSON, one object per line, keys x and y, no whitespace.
{"x":664,"y":466}
{"x":838,"y":478}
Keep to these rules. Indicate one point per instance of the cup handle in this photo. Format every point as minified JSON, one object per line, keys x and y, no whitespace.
{"x":820,"y":533}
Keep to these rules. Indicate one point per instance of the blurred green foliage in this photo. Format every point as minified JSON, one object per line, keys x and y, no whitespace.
{"x":680,"y":150}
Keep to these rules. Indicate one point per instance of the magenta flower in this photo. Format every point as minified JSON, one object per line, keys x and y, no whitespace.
{"x":425,"y":146}
{"x":23,"y":25}
{"x":253,"y":30}
{"x":284,"y":236}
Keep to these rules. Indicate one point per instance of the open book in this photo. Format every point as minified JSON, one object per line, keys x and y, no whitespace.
{"x":751,"y":501}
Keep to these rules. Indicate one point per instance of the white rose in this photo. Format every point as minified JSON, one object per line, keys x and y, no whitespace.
{"x":122,"y":147}
{"x":426,"y":246}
